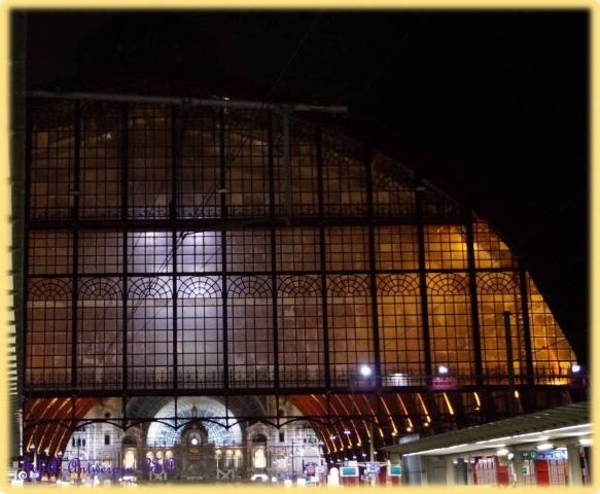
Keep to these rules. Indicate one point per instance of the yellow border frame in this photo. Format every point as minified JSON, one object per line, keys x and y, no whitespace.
{"x":5,"y":202}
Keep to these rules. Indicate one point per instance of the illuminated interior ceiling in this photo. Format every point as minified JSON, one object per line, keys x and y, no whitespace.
{"x":46,"y":421}
{"x":222,"y":249}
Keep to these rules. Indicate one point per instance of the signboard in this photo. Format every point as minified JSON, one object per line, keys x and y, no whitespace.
{"x":395,"y":470}
{"x":373,"y":467}
{"x":349,"y":472}
{"x":554,"y":454}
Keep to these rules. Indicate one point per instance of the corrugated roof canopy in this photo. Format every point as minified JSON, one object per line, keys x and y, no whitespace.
{"x":557,"y":423}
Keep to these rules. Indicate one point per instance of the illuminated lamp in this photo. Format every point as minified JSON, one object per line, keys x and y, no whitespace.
{"x":443,"y":370}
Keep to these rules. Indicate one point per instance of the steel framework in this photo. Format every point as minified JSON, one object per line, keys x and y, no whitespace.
{"x":178,"y":248}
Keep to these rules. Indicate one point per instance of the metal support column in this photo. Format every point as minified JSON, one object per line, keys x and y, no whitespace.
{"x":74,"y":193}
{"x":371,"y":441}
{"x":20,"y":168}
{"x":450,"y":471}
{"x":175,"y":235}
{"x":373,"y":270}
{"x":287,"y":168}
{"x":574,"y":462}
{"x":529,"y":398}
{"x":323,"y":259}
{"x":518,"y":464}
{"x":124,"y":252}
{"x":512,"y":400}
{"x":273,"y":260}
{"x":419,"y":192}
{"x":223,"y":207}
{"x":476,"y":332}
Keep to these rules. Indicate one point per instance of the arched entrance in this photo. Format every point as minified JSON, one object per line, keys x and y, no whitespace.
{"x":194,"y":440}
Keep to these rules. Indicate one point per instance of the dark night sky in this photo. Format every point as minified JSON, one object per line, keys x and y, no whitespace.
{"x":493,"y":105}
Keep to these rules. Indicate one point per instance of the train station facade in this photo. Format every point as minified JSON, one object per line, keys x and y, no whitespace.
{"x":211,"y":290}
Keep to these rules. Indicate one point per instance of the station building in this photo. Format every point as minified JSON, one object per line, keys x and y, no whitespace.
{"x":240,"y":290}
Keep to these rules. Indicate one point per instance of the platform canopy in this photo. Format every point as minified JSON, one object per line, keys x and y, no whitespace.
{"x":564,"y":424}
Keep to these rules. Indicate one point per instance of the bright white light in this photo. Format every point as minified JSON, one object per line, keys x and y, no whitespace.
{"x":399,"y":379}
{"x":502,"y":452}
{"x":442,"y":369}
{"x":194,"y":441}
{"x":437,"y":450}
{"x":365,"y":371}
{"x":575,"y":368}
{"x":544,"y":447}
{"x":585,"y":441}
{"x":497,"y":446}
{"x":498,"y":440}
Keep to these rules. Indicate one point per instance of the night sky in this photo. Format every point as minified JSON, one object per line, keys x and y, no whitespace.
{"x":492,"y":106}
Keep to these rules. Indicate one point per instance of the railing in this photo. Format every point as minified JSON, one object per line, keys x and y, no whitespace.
{"x":188,"y":379}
